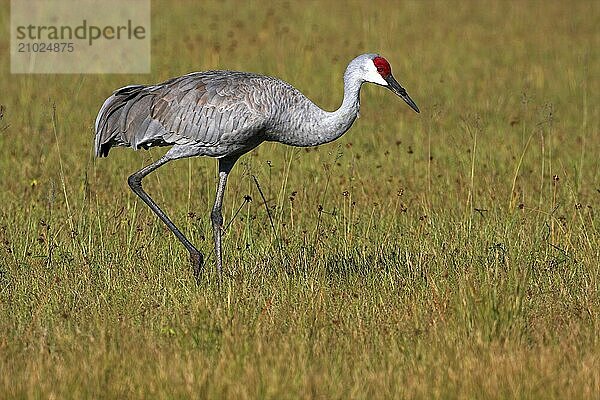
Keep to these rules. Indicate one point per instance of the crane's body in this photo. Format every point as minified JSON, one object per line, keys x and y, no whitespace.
{"x":224,"y":114}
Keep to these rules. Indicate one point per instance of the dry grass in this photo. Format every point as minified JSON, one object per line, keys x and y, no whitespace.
{"x":456,"y":253}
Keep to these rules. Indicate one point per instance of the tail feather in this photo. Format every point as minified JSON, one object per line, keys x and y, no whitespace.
{"x":110,"y":123}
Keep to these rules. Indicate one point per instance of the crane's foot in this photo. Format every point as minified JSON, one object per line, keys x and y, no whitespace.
{"x":197,"y":261}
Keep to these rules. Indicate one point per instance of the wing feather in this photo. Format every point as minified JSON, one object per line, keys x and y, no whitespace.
{"x":214,"y":109}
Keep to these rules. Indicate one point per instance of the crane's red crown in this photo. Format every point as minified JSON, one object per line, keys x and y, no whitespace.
{"x":383,"y":67}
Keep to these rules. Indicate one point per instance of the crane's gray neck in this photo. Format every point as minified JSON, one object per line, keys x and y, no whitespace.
{"x":335,"y":124}
{"x":302,"y":123}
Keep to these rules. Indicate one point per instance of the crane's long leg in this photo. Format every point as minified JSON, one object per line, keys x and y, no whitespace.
{"x":225,"y":166}
{"x":135,"y":182}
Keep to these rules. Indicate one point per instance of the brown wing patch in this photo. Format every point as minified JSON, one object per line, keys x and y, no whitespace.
{"x":201,"y":91}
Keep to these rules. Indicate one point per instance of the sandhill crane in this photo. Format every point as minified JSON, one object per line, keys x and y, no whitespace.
{"x":224,"y":114}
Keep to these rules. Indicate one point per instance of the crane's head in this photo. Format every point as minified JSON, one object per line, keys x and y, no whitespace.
{"x":376,"y":69}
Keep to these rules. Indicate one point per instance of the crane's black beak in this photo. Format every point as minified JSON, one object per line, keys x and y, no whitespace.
{"x":395,"y":87}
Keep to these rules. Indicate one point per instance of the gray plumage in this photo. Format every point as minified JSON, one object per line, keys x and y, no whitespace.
{"x":225,"y":114}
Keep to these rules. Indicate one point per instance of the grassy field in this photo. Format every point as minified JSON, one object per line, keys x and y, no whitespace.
{"x":449,"y":254}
